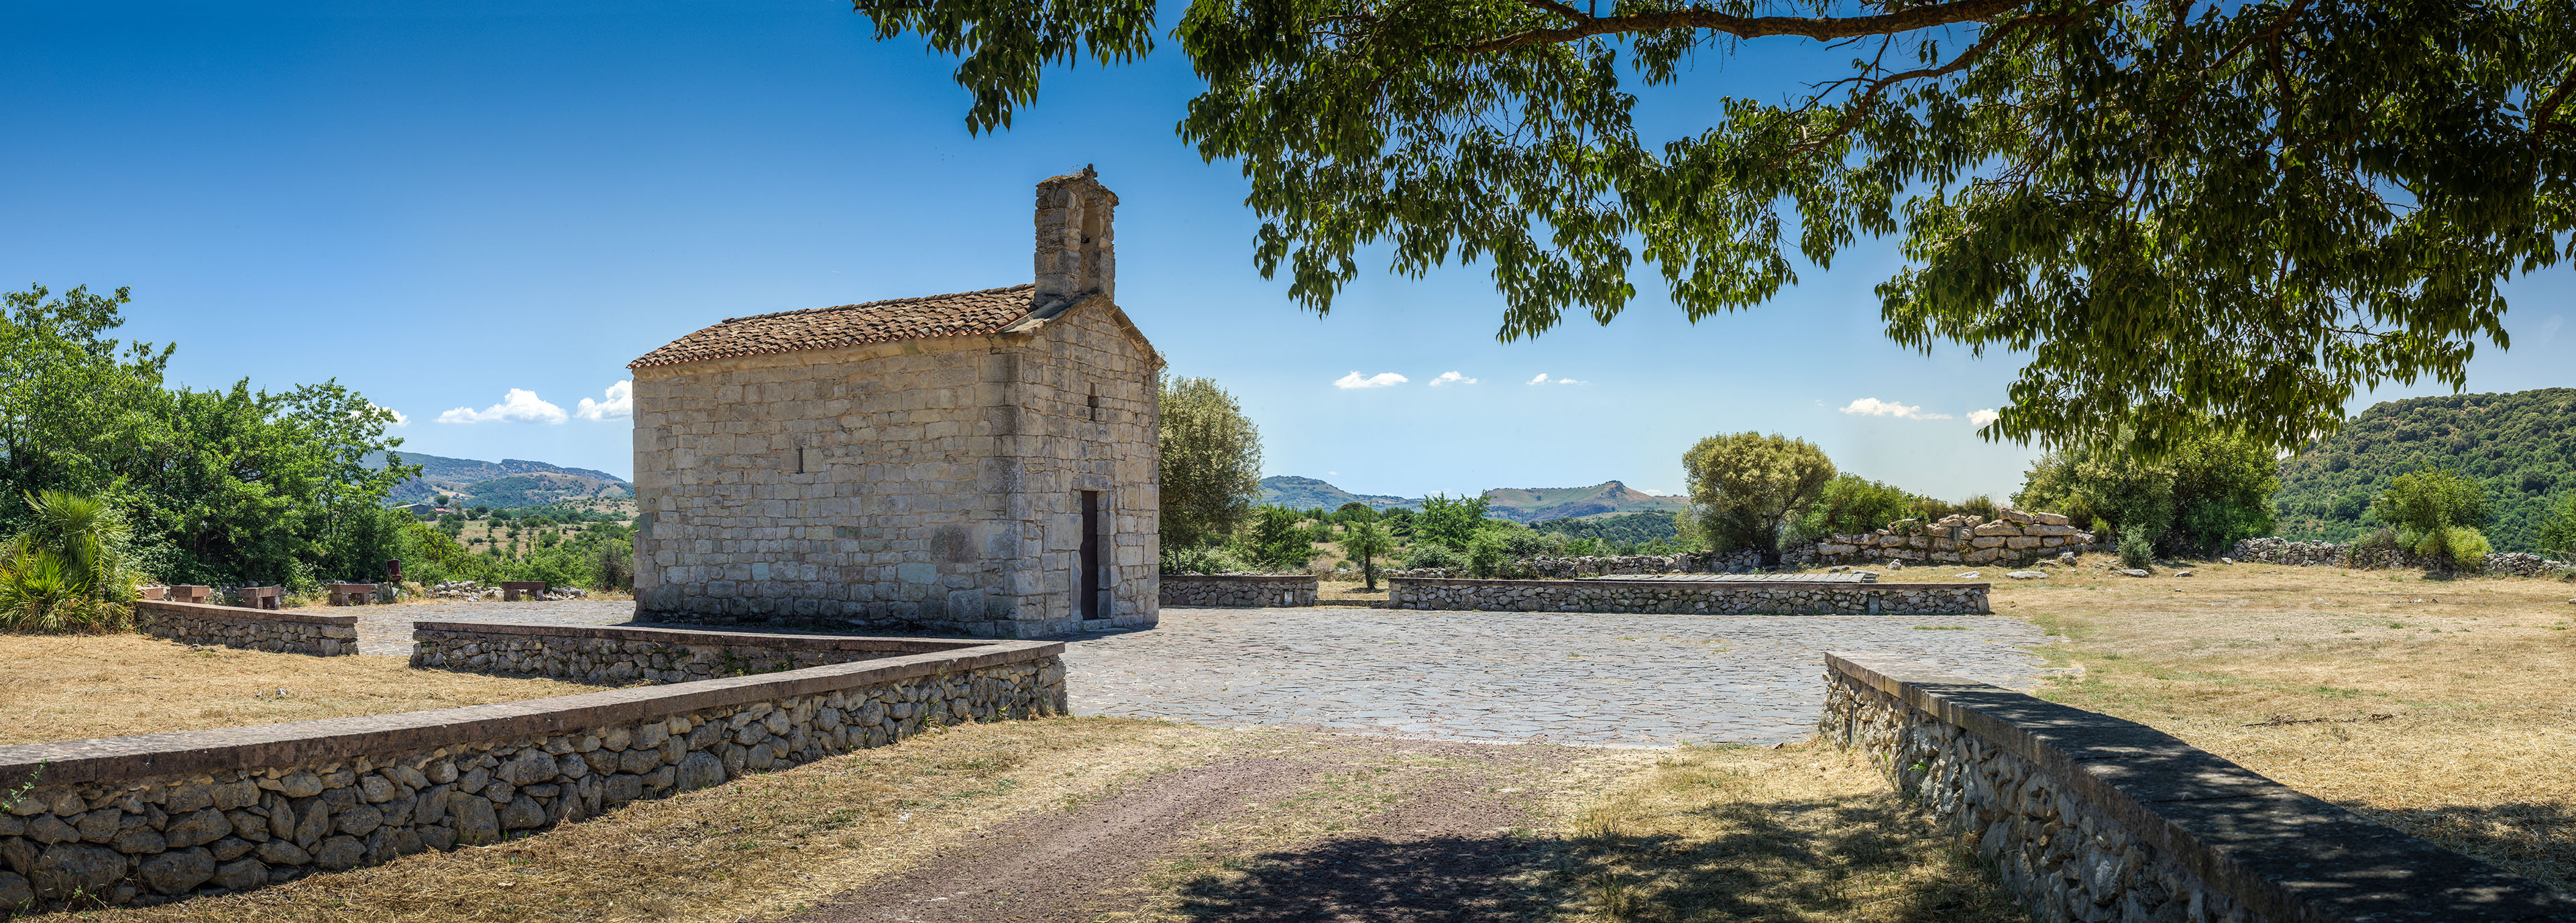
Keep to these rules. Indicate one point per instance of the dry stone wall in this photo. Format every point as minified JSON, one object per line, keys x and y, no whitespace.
{"x":625,"y":655}
{"x":156,"y":818}
{"x":2014,"y":537}
{"x":2094,"y":819}
{"x":253,"y":629}
{"x":1688,"y":597}
{"x":1238,"y":590}
{"x":2328,"y":554}
{"x":928,"y":484}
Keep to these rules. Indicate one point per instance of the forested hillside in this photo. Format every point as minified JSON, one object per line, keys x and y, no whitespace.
{"x":2521,"y":446}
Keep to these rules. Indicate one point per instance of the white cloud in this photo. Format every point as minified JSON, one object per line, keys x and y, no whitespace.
{"x":1451,"y":378}
{"x":1379,"y":380}
{"x":1982,"y":417}
{"x":1540,"y":380}
{"x":1570,"y":381}
{"x":619,"y":406}
{"x":1870,"y":406}
{"x":2549,"y":328}
{"x":520,"y":404}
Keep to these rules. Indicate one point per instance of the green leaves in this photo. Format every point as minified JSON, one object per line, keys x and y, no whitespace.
{"x":2171,"y":212}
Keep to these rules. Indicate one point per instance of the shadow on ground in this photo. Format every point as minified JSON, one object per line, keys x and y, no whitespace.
{"x":1375,"y":879}
{"x":1880,"y":862}
{"x":2535,"y":839}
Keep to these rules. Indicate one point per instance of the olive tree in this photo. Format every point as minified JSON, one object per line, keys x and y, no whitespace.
{"x":1210,"y":467}
{"x":1745,"y":487}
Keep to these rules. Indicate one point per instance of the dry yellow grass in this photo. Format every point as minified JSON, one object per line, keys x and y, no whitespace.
{"x":2440,"y":707}
{"x":761,"y":847}
{"x":69,"y":687}
{"x":1803,"y":833}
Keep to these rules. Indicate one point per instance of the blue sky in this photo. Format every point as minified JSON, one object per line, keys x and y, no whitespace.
{"x":441,"y":206}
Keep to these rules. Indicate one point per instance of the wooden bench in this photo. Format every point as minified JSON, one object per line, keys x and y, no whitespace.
{"x":352,"y":594}
{"x":510,"y":589}
{"x":258,"y":597}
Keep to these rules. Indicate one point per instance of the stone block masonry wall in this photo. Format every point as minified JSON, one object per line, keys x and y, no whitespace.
{"x":1238,"y":590}
{"x":2094,"y":819}
{"x":2015,"y":537}
{"x":160,"y":817}
{"x":623,"y":655}
{"x":928,"y":484}
{"x":1688,"y":597}
{"x":254,"y":629}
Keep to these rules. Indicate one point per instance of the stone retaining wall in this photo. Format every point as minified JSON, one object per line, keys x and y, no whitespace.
{"x":1688,"y":597}
{"x":2091,"y":818}
{"x":624,"y":655}
{"x":160,"y":817}
{"x":2329,"y":554}
{"x":1238,"y":590}
{"x":256,"y":629}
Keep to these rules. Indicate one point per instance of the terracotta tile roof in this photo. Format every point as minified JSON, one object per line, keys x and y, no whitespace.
{"x":961,"y":314}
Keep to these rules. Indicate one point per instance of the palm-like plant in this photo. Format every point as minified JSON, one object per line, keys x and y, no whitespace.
{"x":67,"y":570}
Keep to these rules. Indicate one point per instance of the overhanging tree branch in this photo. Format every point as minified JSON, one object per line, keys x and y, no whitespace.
{"x":1941,"y":14}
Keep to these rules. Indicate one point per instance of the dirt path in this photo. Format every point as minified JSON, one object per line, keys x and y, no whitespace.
{"x":1285,"y":827}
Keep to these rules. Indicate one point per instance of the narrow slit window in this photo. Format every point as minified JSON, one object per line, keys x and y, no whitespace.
{"x":1095,"y":404}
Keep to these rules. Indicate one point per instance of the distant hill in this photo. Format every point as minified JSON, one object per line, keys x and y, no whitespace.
{"x":1518,"y":505}
{"x":1298,"y":493}
{"x":509,"y":482}
{"x":1607,"y":498}
{"x":2522,"y":446}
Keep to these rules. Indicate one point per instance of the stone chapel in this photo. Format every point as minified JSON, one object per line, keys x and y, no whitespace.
{"x":980,"y":463}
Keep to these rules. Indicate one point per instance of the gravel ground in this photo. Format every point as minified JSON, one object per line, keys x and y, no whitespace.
{"x":1494,"y":677}
{"x":1569,"y":678}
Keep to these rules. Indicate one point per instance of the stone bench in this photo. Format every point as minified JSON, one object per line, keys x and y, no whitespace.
{"x":510,"y":589}
{"x":352,"y":594}
{"x":259,"y":597}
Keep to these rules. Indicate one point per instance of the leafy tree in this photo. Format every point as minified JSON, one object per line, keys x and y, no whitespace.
{"x":2210,"y":491}
{"x":1851,"y":504}
{"x":2437,"y":514}
{"x":215,"y":486}
{"x":1354,"y":512}
{"x":1363,"y":542}
{"x":2431,"y":499}
{"x":1745,"y":487}
{"x":1398,"y":522}
{"x":1449,"y":523}
{"x":2239,"y":211}
{"x":1278,"y":542}
{"x":2556,"y":535}
{"x":1210,"y":470}
{"x":1433,"y":555}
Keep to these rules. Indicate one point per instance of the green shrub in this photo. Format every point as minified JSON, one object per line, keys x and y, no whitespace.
{"x":69,"y":570}
{"x":1428,"y":554}
{"x":1486,"y":555}
{"x":1200,"y":561}
{"x":1280,"y":542}
{"x":2136,"y":553}
{"x":2453,"y":547}
{"x":2380,"y":539}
